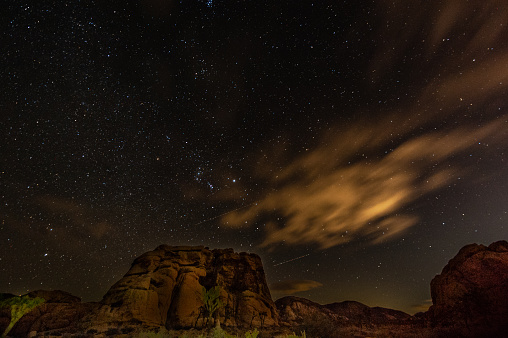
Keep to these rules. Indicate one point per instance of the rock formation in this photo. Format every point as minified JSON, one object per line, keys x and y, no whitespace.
{"x":470,"y":295}
{"x":61,"y":310}
{"x":295,"y":310}
{"x":164,"y":288}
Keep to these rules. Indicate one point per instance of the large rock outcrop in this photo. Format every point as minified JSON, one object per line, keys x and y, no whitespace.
{"x":470,"y":295}
{"x":164,"y":288}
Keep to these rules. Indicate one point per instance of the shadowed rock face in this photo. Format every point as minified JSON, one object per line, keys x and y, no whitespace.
{"x":471,"y":293}
{"x":61,"y":310}
{"x":164,"y":287}
{"x":295,"y":310}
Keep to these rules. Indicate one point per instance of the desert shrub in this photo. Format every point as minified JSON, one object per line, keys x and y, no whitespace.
{"x":252,"y":334}
{"x":211,"y":301}
{"x":19,"y":306}
{"x":218,"y":332}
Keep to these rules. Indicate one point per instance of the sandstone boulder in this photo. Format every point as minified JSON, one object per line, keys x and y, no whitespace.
{"x":164,"y":288}
{"x":470,"y":295}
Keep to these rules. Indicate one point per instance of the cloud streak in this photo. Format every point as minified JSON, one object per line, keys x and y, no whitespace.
{"x":294,"y":286}
{"x":65,"y":224}
{"x":358,"y":182}
{"x":328,"y":198}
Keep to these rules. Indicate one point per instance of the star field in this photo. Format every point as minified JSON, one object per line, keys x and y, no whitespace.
{"x":354,"y":147}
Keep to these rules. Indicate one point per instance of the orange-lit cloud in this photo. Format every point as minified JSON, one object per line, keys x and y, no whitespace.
{"x":327,"y":198}
{"x":294,"y":286}
{"x":357,"y":182}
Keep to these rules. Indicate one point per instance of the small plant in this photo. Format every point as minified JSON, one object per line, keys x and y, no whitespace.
{"x":217,"y":332}
{"x":294,"y":335}
{"x":19,"y":307}
{"x":211,"y":301}
{"x":252,"y":334}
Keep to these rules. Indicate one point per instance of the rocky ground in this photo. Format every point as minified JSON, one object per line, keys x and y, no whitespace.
{"x":161,"y":296}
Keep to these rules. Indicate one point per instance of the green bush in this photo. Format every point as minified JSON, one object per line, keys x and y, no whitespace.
{"x":19,"y":307}
{"x":252,"y":334}
{"x":217,"y":332}
{"x":211,"y":301}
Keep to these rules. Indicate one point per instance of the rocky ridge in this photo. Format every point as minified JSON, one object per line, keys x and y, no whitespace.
{"x":163,"y":289}
{"x":336,"y":318}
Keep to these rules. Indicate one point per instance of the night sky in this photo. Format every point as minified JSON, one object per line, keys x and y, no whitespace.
{"x":355,"y":146}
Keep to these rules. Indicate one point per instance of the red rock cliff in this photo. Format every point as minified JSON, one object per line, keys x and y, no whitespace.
{"x":471,"y":293}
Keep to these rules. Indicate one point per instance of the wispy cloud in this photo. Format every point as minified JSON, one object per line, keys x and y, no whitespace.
{"x":358,"y":182}
{"x":293,"y":286}
{"x":423,"y":306}
{"x":81,"y":219}
{"x":338,"y":193}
